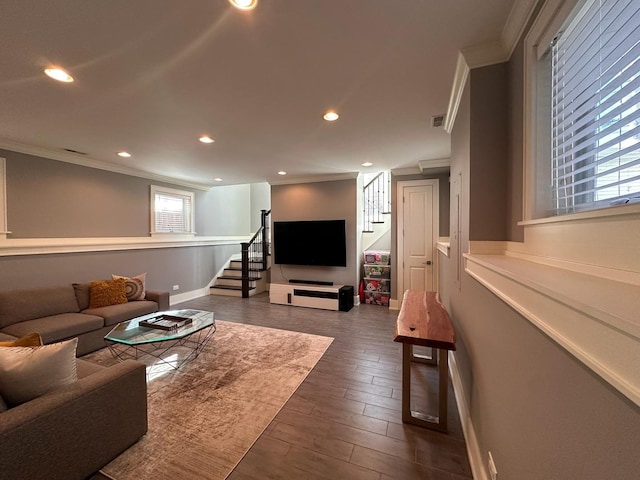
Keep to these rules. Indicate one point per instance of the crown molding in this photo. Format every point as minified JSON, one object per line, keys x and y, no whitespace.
{"x":434,"y":163}
{"x":316,"y":178}
{"x":398,"y":172}
{"x":86,"y":161}
{"x":488,"y":53}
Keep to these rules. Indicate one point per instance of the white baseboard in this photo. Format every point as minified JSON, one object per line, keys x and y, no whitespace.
{"x":473,"y":449}
{"x":183,"y":297}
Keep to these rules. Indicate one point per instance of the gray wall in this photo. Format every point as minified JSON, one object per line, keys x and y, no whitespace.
{"x":319,"y":201}
{"x":541,"y":412}
{"x":52,"y":199}
{"x":260,"y":200}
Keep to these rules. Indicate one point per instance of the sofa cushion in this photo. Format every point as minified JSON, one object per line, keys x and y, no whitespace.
{"x":82,"y":295}
{"x":135,"y":286}
{"x":28,"y":372}
{"x":57,"y":327}
{"x":114,"y":314}
{"x":20,"y":305}
{"x":28,"y":340}
{"x":103,"y":293}
{"x":85,"y":368}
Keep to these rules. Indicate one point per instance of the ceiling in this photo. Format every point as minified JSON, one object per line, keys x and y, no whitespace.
{"x":151,"y":76}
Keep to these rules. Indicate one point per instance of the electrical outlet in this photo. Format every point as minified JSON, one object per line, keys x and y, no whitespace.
{"x":493,"y":472}
{"x":176,"y":287}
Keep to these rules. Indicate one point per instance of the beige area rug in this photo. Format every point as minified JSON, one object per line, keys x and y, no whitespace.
{"x":204,"y":417}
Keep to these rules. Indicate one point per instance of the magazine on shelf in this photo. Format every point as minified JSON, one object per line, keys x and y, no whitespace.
{"x":166,"y":322}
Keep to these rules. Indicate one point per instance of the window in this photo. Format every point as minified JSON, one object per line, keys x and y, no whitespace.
{"x":587,"y":97}
{"x":171,"y":211}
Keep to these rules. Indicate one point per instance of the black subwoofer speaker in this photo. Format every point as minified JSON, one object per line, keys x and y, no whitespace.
{"x":345,"y":298}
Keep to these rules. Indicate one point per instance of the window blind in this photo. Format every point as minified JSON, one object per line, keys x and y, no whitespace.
{"x":172,"y":213}
{"x":596,"y":107}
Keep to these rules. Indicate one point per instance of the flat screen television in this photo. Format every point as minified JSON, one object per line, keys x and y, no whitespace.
{"x":310,"y":242}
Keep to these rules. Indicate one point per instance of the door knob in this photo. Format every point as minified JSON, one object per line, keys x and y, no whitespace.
{"x":428,"y":262}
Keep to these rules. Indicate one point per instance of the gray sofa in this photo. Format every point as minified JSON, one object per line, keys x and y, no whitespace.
{"x":62,"y":312}
{"x":72,"y":432}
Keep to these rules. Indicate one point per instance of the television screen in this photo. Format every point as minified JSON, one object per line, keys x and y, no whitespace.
{"x":311,"y":242}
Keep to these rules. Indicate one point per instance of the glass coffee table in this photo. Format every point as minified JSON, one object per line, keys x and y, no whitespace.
{"x":131,"y":340}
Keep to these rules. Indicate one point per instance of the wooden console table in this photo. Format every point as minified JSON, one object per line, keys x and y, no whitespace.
{"x":424,"y":321}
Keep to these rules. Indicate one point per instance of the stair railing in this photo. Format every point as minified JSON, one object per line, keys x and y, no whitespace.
{"x":255,"y":253}
{"x":377,"y":200}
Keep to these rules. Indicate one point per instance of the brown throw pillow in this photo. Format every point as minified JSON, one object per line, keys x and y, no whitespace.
{"x":28,"y":340}
{"x":103,"y":293}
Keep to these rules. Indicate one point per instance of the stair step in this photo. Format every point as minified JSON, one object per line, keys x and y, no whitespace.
{"x":367,"y":231}
{"x":239,"y":269}
{"x":231,"y":277}
{"x":230,"y":287}
{"x":378,"y":222}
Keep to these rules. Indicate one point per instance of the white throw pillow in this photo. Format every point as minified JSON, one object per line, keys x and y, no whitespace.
{"x":28,"y":372}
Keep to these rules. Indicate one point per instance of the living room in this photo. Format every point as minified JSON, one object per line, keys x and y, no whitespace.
{"x":548,"y":399}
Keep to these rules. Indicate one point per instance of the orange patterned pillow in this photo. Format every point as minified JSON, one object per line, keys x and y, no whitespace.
{"x":103,"y":293}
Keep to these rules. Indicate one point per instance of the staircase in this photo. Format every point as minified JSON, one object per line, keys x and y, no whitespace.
{"x":247,"y":274}
{"x":377,"y":209}
{"x":377,"y":200}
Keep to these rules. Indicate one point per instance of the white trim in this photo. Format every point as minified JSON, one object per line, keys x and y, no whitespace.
{"x":516,"y":23}
{"x":471,"y":440}
{"x":3,"y":199}
{"x":155,"y":190}
{"x":316,"y":178}
{"x":434,"y":163}
{"x":444,"y":246}
{"x":186,"y":296}
{"x":489,"y":53}
{"x":85,"y":161}
{"x":394,"y":304}
{"x":630,"y":209}
{"x":459,"y":80}
{"x":398,"y":172}
{"x":593,"y":318}
{"x":45,"y":246}
{"x":485,"y":54}
{"x":435,"y":209}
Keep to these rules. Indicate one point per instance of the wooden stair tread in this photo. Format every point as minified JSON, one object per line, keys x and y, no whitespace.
{"x":230,"y":287}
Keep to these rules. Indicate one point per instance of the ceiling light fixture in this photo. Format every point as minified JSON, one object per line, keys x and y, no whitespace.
{"x":244,"y":4}
{"x":218,"y":179}
{"x":206,"y":139}
{"x":58,"y":74}
{"x":282,"y":172}
{"x":124,"y":154}
{"x":367,"y":164}
{"x":331,"y":116}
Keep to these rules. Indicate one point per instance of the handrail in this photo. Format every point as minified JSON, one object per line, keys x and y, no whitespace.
{"x":259,"y":244}
{"x":376,"y":195}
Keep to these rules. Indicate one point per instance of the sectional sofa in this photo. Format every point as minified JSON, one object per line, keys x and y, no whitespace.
{"x":61,"y":312}
{"x":73,"y":430}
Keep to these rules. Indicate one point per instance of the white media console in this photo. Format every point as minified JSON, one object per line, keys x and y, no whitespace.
{"x":333,"y":297}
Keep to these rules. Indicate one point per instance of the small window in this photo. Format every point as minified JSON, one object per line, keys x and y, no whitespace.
{"x":596,"y":107}
{"x":587,"y":109}
{"x":171,"y":211}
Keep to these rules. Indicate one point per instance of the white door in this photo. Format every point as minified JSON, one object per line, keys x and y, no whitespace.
{"x":417,"y":235}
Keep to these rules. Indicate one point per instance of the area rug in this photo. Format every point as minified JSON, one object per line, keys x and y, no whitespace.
{"x":205,"y":416}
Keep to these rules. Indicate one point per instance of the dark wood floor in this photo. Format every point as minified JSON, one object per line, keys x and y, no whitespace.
{"x":344,"y":421}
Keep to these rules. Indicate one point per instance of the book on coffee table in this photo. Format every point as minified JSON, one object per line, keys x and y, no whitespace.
{"x":166,"y":322}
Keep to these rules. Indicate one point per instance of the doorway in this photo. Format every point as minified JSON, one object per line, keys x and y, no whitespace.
{"x":417,"y":234}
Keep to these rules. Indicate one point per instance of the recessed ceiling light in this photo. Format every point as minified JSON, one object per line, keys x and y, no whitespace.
{"x":331,"y":116}
{"x":206,"y":139}
{"x":217,"y":179}
{"x":367,"y":164}
{"x":282,"y":172}
{"x":244,"y":4}
{"x":124,"y":154}
{"x":58,"y":74}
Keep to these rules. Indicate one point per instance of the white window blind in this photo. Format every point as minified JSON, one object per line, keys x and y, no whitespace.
{"x":596,"y":107}
{"x":172,"y":211}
